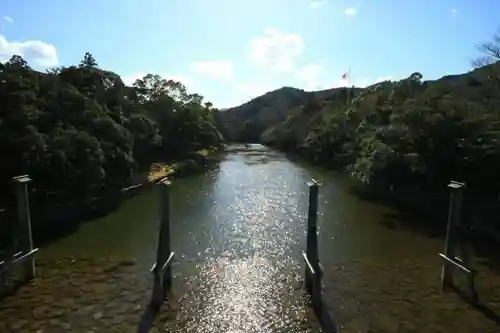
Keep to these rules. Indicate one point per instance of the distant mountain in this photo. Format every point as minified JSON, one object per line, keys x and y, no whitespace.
{"x":267,"y":117}
{"x":405,"y":138}
{"x":248,"y":121}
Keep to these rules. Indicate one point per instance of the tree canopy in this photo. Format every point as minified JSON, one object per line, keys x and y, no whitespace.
{"x":77,"y":130}
{"x":394,"y":134}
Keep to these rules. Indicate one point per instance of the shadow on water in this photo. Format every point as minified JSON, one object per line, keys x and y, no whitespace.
{"x":404,"y":216}
{"x":480,"y":306}
{"x":428,"y":227}
{"x":10,"y":290}
{"x":431,"y":220}
{"x":47,"y":230}
{"x":486,"y":252}
{"x":325,"y":319}
{"x":148,"y":318}
{"x":400,"y":217}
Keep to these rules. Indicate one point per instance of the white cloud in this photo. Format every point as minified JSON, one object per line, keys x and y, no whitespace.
{"x":33,"y":51}
{"x":453,"y":11}
{"x":350,"y":11}
{"x":216,"y":69}
{"x":129,"y":79}
{"x":276,"y":50}
{"x":309,"y":76}
{"x":8,"y":19}
{"x":317,"y":3}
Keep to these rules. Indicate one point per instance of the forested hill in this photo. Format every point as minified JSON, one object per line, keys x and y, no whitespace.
{"x":78,"y":130}
{"x":248,"y":121}
{"x":391,"y":133}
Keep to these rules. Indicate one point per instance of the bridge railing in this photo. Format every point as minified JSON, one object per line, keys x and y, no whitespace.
{"x":162,"y":268}
{"x":313,"y":271}
{"x":457,"y":254}
{"x":21,"y":250}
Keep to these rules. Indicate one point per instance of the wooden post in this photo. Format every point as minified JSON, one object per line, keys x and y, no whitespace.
{"x":452,"y":236}
{"x":313,"y":273}
{"x":24,"y":225}
{"x":463,"y":250}
{"x":162,"y":274}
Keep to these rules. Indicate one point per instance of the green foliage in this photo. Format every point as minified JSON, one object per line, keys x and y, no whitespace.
{"x":404,"y":132}
{"x":248,"y":121}
{"x":77,"y":130}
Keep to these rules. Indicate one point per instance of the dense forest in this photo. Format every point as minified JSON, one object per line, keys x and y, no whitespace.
{"x":78,"y":131}
{"x":409,"y":137}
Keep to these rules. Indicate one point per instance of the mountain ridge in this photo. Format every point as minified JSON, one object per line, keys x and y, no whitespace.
{"x":248,"y":121}
{"x":387,"y":133}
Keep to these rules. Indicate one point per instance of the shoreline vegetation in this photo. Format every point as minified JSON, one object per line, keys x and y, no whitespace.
{"x":199,"y":160}
{"x":51,"y":221}
{"x":405,"y":140}
{"x":97,"y":207}
{"x":82,"y":135}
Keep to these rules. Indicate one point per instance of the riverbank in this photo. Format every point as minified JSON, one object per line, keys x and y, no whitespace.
{"x":51,"y":221}
{"x":425,"y":207}
{"x":194,"y":162}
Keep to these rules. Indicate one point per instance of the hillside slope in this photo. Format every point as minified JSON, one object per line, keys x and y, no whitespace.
{"x":393,"y":135}
{"x":248,"y":121}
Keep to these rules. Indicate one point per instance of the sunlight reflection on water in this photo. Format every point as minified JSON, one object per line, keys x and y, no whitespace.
{"x":248,"y":279}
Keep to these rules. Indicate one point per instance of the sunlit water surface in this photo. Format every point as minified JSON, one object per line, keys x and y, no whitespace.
{"x":238,"y":232}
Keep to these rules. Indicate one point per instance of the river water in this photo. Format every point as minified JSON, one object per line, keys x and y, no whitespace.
{"x":238,"y":231}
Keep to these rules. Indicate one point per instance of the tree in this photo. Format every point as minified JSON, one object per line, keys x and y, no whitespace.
{"x":416,"y":77}
{"x":491,"y":51}
{"x":88,"y":60}
{"x":79,"y":130}
{"x":54,"y":70}
{"x":17,"y":61}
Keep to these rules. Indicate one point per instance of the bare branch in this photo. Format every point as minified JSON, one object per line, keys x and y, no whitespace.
{"x":491,"y":50}
{"x":483,"y":61}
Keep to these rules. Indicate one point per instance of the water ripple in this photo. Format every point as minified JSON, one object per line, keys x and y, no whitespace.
{"x":247,"y":278}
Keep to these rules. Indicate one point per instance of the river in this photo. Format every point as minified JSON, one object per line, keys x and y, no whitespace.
{"x":238,"y":231}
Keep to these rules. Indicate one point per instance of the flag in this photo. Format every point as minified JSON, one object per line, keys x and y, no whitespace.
{"x":345,"y":76}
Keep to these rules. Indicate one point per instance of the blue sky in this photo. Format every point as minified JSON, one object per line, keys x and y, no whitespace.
{"x":233,"y":50}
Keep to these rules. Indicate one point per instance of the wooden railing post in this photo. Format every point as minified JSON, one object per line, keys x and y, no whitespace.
{"x":162,"y":269}
{"x":456,"y":253}
{"x":450,"y":250}
{"x":24,"y":225}
{"x":313,"y":273}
